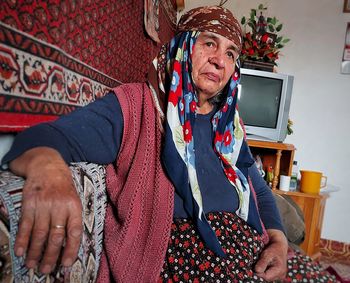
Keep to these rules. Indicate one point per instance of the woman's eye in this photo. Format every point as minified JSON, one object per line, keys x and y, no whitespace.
{"x":231,"y":55}
{"x":209,"y":44}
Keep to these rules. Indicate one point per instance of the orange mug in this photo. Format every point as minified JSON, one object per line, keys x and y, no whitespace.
{"x":310,"y":182}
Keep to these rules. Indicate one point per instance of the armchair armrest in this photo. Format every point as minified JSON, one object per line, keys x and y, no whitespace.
{"x":89,"y":180}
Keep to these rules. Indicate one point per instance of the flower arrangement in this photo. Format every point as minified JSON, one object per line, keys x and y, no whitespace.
{"x":261,"y":42}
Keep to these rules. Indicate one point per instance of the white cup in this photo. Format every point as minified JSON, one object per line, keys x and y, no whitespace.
{"x":284,"y":183}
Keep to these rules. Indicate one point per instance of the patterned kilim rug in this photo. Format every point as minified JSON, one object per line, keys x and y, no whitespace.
{"x":336,"y":259}
{"x":39,"y":81}
{"x":56,"y":56}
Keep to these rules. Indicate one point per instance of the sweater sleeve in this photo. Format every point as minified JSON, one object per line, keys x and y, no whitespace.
{"x":268,"y":210}
{"x":92,"y":133}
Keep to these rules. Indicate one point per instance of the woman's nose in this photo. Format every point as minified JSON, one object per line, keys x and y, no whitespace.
{"x":217,"y":60}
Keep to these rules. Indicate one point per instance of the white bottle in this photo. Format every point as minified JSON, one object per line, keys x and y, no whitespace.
{"x":294,"y":177}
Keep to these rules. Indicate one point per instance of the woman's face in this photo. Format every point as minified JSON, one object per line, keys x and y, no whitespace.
{"x":213,"y":63}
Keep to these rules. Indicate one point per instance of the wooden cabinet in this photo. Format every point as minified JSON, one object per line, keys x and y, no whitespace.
{"x":281,"y":157}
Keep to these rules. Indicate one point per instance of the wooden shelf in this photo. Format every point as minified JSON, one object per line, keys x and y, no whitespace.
{"x":271,"y":145}
{"x":300,"y":194}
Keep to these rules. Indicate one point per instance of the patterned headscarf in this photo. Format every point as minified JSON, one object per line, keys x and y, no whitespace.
{"x":174,"y":67}
{"x":214,"y":19}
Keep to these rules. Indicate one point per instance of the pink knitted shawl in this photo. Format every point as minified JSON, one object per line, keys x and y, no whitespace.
{"x":140,"y":197}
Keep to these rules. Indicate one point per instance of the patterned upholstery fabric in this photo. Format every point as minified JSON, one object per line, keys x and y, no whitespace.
{"x":89,"y":180}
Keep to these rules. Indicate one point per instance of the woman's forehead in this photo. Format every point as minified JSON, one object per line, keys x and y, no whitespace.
{"x":217,"y":37}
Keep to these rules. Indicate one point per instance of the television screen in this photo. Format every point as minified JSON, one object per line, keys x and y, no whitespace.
{"x":263,"y":103}
{"x":259,"y":101}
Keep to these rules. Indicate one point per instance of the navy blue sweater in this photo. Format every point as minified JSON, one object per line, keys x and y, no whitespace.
{"x":94,"y":133}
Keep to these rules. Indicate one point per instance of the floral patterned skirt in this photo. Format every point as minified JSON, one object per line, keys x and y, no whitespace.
{"x":188,"y":260}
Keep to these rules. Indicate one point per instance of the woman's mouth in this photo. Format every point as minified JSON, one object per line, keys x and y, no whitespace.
{"x":212,"y":77}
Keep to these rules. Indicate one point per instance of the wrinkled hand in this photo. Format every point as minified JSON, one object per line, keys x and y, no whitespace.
{"x":272,"y":264}
{"x":51,"y":210}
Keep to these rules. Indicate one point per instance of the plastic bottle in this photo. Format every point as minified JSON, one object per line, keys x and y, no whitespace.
{"x":294,"y":177}
{"x":269,"y":176}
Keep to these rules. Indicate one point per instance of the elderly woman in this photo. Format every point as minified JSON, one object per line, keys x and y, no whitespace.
{"x":186,"y":202}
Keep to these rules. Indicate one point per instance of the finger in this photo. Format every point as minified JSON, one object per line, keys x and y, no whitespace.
{"x":39,"y":237}
{"x":262,"y":263}
{"x":54,"y":244}
{"x":23,"y":235}
{"x":73,"y":237}
{"x":275,"y":269}
{"x":25,"y":225}
{"x":274,"y":273}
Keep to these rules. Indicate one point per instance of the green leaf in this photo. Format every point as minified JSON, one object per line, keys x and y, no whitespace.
{"x":279,"y":46}
{"x":243,"y":21}
{"x":252,"y":13}
{"x":269,"y":20}
{"x":261,"y":7}
{"x":271,"y":28}
{"x":278,"y":39}
{"x":285,"y":40}
{"x":279,"y":27}
{"x":251,"y":25}
{"x":274,"y":20}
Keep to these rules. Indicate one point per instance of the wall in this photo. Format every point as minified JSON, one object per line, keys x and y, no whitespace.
{"x":320,"y":107}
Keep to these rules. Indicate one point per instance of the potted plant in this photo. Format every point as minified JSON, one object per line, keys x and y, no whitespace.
{"x":261,"y":39}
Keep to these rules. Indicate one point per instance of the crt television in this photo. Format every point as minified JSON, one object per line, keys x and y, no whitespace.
{"x":263,"y":103}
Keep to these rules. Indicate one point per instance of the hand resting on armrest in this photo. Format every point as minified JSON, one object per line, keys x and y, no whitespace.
{"x":51,"y":210}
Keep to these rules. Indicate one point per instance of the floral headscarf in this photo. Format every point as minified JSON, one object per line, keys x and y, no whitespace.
{"x":174,"y":67}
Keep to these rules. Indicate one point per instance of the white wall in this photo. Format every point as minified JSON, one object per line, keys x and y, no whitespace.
{"x":320,"y":106}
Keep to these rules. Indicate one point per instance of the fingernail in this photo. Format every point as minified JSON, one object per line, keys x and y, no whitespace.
{"x":46,"y":268}
{"x":31,"y":263}
{"x":67,"y":262}
{"x":19,"y":251}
